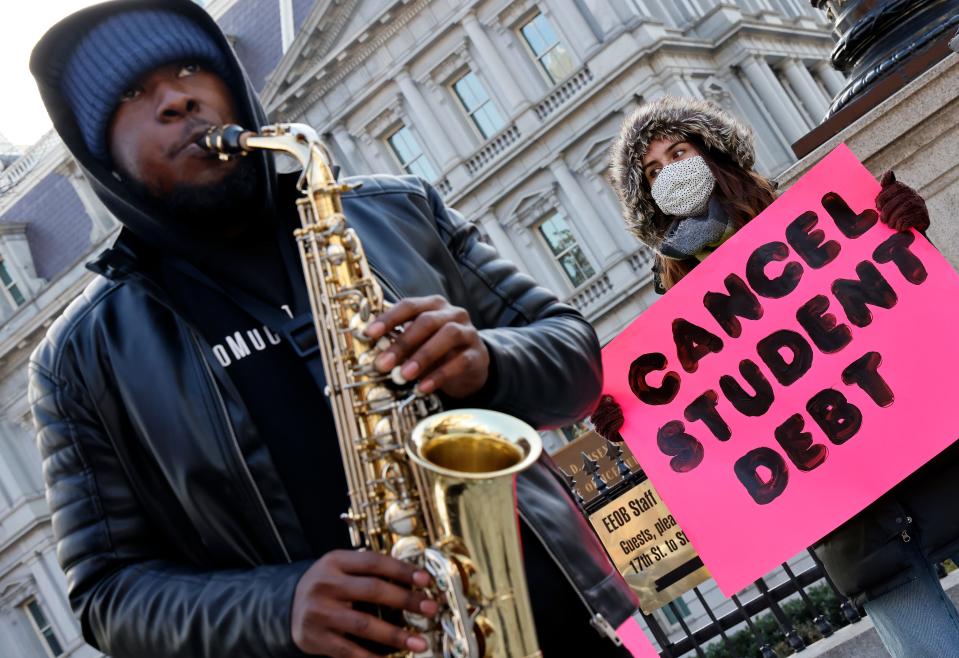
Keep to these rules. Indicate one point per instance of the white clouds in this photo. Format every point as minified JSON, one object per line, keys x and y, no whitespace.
{"x":23,"y":119}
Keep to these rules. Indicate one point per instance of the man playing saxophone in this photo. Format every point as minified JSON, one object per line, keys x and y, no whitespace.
{"x":190,"y":457}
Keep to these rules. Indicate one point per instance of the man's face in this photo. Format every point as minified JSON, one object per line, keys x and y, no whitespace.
{"x":157,"y":121}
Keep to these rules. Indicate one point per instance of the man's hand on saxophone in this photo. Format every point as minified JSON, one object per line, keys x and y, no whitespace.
{"x":323,"y":611}
{"x":439,"y":346}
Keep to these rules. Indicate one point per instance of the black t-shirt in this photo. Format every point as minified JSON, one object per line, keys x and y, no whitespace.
{"x":286,"y":405}
{"x":293,"y":416}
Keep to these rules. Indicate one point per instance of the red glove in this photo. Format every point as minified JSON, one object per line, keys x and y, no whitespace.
{"x":900,"y":207}
{"x":607,"y":419}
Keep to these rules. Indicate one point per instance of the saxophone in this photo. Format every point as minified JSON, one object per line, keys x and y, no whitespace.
{"x":431,"y":488}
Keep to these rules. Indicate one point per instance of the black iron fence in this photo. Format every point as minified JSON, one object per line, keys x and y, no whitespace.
{"x":764,"y":625}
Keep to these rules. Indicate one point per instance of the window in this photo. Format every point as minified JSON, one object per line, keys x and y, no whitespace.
{"x":478,"y":105}
{"x":546,"y":48}
{"x":43,"y":628}
{"x":567,"y":252}
{"x":12,"y":291}
{"x":681,"y":608}
{"x":410,"y":155}
{"x":574,"y":431}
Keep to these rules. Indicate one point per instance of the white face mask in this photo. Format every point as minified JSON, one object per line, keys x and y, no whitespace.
{"x":683,"y":188}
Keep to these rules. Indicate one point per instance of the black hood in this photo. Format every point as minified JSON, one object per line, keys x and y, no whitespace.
{"x":47,"y":63}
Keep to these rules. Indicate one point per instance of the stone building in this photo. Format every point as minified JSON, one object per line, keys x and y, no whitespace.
{"x":8,"y":152}
{"x":508,"y":108}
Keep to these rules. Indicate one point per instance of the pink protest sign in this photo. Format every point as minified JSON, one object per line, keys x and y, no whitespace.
{"x":798,"y":373}
{"x":635,"y":640}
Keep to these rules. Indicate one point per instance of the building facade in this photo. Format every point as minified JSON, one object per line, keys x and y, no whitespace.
{"x":506,"y":107}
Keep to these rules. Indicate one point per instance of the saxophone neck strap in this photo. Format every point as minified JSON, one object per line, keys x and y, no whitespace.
{"x":298,"y":331}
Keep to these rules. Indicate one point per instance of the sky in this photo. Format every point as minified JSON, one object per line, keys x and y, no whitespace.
{"x":23,"y":119}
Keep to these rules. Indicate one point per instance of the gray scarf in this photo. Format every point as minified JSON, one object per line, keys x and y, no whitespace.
{"x":696,"y":237}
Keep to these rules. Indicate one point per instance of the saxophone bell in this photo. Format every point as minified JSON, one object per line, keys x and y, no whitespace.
{"x":470,"y":457}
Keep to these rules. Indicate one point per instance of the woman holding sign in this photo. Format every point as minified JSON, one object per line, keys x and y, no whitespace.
{"x":683,"y":171}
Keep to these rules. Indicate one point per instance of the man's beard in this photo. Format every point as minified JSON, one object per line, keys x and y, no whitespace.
{"x":231,"y":204}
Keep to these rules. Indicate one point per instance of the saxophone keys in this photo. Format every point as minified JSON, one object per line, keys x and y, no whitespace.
{"x":419,"y":622}
{"x":365,"y":360}
{"x":383,"y":433}
{"x":383,"y":426}
{"x":363,"y":309}
{"x":402,"y":517}
{"x":357,"y":326}
{"x":335,"y":254}
{"x":409,"y":548}
{"x":398,"y":378}
{"x":379,"y":394}
{"x":353,"y":523}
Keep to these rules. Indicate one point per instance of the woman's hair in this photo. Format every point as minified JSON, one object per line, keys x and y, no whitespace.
{"x":742,"y":193}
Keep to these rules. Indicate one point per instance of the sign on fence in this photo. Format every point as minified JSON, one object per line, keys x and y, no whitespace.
{"x":569,"y":459}
{"x":648,"y":547}
{"x":798,"y":373}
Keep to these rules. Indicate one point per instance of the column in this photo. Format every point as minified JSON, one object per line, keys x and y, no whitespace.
{"x":574,"y":26}
{"x":355,"y":161}
{"x":432,"y":128}
{"x":547,"y":274}
{"x":12,"y":488}
{"x":774,"y":97}
{"x":373,"y":152}
{"x":649,"y":9}
{"x":772,"y":156}
{"x":608,"y":15}
{"x":500,"y":74}
{"x":51,"y":586}
{"x":610,"y":212}
{"x":805,"y":87}
{"x":603,"y":244}
{"x":678,"y":86}
{"x":763,"y":5}
{"x":832,"y":79}
{"x":681,"y":12}
{"x":501,"y":241}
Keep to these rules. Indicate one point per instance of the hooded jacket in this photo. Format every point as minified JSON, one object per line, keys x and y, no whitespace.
{"x":682,"y":118}
{"x":172,"y":526}
{"x":872,"y":553}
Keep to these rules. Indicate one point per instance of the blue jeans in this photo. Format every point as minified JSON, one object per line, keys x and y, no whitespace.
{"x":917,"y":619}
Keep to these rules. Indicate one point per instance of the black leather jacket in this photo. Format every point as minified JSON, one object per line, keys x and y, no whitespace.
{"x":171,"y":524}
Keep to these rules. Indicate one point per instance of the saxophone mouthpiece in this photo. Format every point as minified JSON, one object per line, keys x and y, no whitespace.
{"x":226,"y":141}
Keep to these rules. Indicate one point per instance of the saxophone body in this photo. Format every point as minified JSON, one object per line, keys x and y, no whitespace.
{"x":435,"y":489}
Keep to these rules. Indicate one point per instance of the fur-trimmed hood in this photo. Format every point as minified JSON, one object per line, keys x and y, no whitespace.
{"x":704,"y":121}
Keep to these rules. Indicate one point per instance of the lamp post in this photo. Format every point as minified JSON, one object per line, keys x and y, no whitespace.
{"x":875,"y":37}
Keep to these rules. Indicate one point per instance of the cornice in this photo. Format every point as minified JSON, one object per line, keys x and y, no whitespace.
{"x":596,"y":156}
{"x":393,"y":115}
{"x":339,"y":63}
{"x":531,"y":206}
{"x":14,"y":594}
{"x":310,"y":38}
{"x":454,"y":62}
{"x":511,"y":13}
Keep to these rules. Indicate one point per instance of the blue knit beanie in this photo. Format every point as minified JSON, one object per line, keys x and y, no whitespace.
{"x":108,"y":59}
